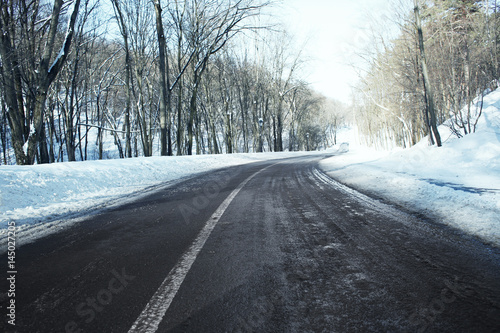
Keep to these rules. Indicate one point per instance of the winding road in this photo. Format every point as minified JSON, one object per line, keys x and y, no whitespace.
{"x":272,"y":246}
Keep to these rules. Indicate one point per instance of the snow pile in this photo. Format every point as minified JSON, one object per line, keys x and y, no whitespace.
{"x":457,"y":184}
{"x":44,"y":193}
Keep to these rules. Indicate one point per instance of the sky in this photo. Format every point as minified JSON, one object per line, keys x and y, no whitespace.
{"x":334,"y":31}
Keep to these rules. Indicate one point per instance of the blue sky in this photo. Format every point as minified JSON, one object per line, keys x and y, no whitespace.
{"x":334,"y":30}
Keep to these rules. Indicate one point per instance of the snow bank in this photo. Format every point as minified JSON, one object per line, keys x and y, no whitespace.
{"x":457,"y":184}
{"x":43,"y":193}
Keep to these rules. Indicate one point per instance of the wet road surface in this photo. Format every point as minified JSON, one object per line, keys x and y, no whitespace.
{"x":268,"y":247}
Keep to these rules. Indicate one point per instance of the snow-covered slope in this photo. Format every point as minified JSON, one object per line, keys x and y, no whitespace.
{"x":457,"y":184}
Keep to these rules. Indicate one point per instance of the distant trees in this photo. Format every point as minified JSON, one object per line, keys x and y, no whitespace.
{"x":151,"y":78}
{"x":444,"y":56}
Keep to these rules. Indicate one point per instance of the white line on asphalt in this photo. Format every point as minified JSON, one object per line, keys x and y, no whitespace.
{"x":152,"y":315}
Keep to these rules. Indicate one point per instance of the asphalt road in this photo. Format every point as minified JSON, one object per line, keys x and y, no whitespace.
{"x":267,"y":247}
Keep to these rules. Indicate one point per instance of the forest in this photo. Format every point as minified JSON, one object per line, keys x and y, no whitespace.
{"x":152,"y":78}
{"x":443,"y":56}
{"x":99,"y":79}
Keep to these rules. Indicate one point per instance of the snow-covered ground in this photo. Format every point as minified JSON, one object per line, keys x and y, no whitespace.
{"x":38,"y":197}
{"x":457,"y":184}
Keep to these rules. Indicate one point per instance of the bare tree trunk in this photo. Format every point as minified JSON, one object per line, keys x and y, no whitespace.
{"x":3,"y":130}
{"x":123,"y":30}
{"x":141,"y":117}
{"x":99,"y":128}
{"x":279,"y":129}
{"x":427,"y":83}
{"x":163,"y":81}
{"x":180,"y":131}
{"x":229,"y":134}
{"x":192,"y":116}
{"x":274,"y":135}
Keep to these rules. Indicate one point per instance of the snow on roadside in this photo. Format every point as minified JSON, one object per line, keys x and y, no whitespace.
{"x":34,"y":195}
{"x":457,"y":184}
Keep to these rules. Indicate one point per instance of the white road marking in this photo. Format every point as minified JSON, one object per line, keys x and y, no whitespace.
{"x":152,"y":315}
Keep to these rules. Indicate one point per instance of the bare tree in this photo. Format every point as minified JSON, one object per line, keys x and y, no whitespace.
{"x":22,"y":27}
{"x":225,"y":96}
{"x":164,"y":94}
{"x":429,"y":92}
{"x":128,"y":63}
{"x":212,"y":25}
